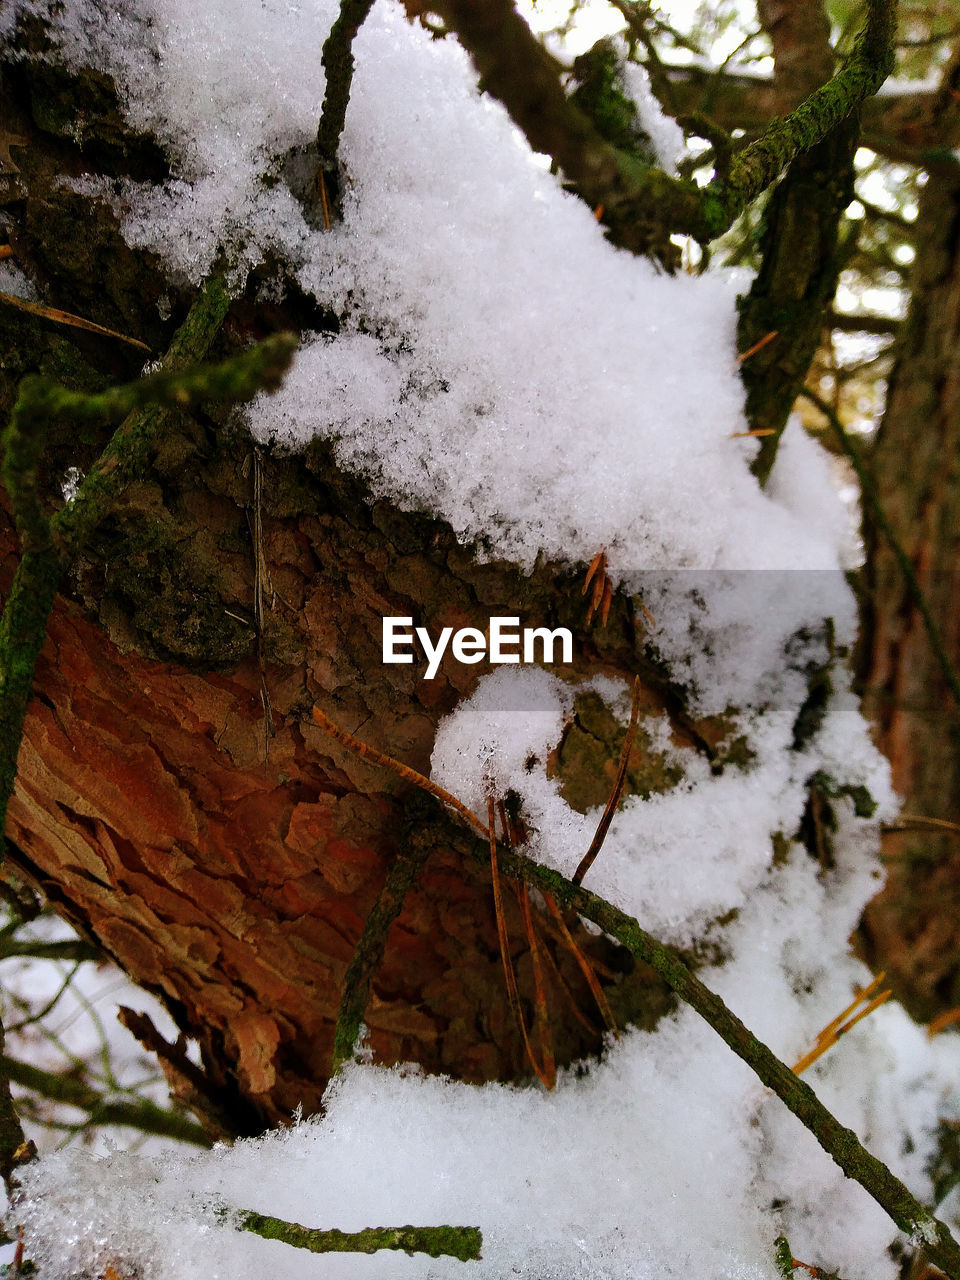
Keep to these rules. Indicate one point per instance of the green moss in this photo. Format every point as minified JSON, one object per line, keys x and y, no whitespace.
{"x":586,"y":761}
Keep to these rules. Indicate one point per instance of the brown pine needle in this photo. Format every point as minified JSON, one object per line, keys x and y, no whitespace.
{"x":861,"y":996}
{"x":541,"y":1017}
{"x":403,"y":770}
{"x":648,"y":615}
{"x":585,"y":966}
{"x":601,"y":595}
{"x":843,"y":1023}
{"x":324,"y":200}
{"x":6,"y":251}
{"x":606,"y":601}
{"x":565,"y":988}
{"x":756,"y":433}
{"x":757,"y":346}
{"x":942,"y":1021}
{"x":814,"y":1271}
{"x":596,"y":595}
{"x":64,"y":317}
{"x":596,"y":566}
{"x":510,"y":977}
{"x":603,"y":825}
{"x":913,"y":822}
{"x":598,"y":212}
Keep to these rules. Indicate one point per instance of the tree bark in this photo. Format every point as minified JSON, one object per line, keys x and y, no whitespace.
{"x":175,"y":799}
{"x":910,"y":930}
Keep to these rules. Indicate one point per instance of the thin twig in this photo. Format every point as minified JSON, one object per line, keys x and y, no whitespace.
{"x":338,"y":64}
{"x":447,"y":1242}
{"x":370,"y":947}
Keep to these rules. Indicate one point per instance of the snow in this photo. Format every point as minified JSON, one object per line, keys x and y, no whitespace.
{"x":500,"y":365}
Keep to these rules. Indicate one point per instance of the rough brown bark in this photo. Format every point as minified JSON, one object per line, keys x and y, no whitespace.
{"x":911,"y":928}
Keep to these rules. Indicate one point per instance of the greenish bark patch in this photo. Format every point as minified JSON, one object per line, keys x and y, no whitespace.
{"x":586,"y":760}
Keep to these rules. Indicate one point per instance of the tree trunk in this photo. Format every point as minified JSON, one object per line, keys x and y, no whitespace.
{"x":176,"y":800}
{"x":911,"y":928}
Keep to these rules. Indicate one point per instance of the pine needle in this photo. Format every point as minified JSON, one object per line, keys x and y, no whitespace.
{"x":757,"y":346}
{"x":603,"y":825}
{"x":510,"y":977}
{"x":64,"y":317}
{"x":585,"y":966}
{"x":402,"y":770}
{"x":942,"y":1021}
{"x":843,"y":1022}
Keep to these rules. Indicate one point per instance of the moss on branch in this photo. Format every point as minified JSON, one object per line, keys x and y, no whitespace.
{"x":369,"y":951}
{"x":640,"y":205}
{"x":338,"y":63}
{"x":137,"y":1113}
{"x":436,"y":1242}
{"x":839,"y":1142}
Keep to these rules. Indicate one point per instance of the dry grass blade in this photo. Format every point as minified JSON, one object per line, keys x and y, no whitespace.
{"x":843,"y":1022}
{"x":603,"y":825}
{"x":402,"y":770}
{"x":64,"y":317}
{"x":510,"y":977}
{"x":756,"y":433}
{"x":585,"y":967}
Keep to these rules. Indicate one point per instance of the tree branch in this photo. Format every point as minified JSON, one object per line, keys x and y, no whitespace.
{"x":436,"y":1242}
{"x":799,"y":244}
{"x":67,"y":1089}
{"x":404,"y":869}
{"x":839,"y":1142}
{"x":639,"y":204}
{"x":338,"y":64}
